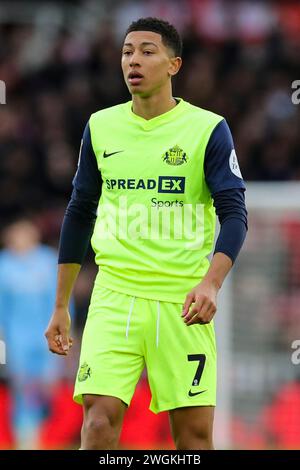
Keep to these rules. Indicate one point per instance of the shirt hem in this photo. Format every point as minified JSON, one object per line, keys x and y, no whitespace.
{"x":135,"y":292}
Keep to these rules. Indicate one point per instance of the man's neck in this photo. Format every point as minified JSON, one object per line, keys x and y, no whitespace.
{"x":152,"y":106}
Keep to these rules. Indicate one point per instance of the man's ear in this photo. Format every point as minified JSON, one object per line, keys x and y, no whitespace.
{"x":175,"y":64}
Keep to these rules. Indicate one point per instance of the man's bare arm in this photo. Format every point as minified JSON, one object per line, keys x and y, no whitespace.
{"x":204,"y":294}
{"x":58,"y":330}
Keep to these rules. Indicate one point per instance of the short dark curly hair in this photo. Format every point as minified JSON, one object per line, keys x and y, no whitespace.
{"x":169,"y":34}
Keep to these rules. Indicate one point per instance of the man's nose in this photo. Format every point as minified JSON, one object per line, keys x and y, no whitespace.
{"x":134,"y":59}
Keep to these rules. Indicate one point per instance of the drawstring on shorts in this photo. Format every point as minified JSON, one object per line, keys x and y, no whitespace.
{"x":157,"y":323}
{"x":157,"y":319}
{"x":129,"y":316}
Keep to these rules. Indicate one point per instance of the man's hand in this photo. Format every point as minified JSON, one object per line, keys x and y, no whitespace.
{"x":204,"y":298}
{"x":57,"y":333}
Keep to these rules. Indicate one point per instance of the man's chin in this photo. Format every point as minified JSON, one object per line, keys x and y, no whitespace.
{"x":135,"y":90}
{"x":139,"y":92}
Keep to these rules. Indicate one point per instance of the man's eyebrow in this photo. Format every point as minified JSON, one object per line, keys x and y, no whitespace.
{"x":145,"y":43}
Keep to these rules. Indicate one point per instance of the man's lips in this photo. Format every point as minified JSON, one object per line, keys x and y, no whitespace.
{"x":135,"y":81}
{"x":135,"y":78}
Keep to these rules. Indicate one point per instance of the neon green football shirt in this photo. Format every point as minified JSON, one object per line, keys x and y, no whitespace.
{"x":156,"y":221}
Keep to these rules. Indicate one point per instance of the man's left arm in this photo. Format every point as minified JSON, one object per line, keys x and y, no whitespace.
{"x":227,"y":188}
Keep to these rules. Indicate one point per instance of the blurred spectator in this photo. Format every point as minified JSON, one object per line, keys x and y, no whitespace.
{"x":27,"y":289}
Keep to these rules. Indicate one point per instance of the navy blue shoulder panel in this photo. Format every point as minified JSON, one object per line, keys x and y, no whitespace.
{"x":81,"y":212}
{"x":220,"y":164}
{"x":88,"y":178}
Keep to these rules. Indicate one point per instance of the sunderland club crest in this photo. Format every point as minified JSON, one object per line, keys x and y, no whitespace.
{"x":175,"y":156}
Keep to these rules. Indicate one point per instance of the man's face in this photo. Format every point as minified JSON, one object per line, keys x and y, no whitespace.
{"x":147,"y":63}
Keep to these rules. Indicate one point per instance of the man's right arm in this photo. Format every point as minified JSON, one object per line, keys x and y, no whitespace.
{"x":75,"y":236}
{"x":58,"y":331}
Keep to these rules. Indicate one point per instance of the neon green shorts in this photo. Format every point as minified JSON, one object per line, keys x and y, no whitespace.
{"x":123,"y":334}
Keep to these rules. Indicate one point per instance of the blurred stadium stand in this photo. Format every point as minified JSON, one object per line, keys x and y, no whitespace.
{"x":60,"y":62}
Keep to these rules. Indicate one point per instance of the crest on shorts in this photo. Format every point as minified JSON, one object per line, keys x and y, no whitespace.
{"x":175,"y":156}
{"x":84,"y":372}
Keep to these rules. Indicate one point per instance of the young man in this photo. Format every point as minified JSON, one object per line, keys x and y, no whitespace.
{"x":159,"y":164}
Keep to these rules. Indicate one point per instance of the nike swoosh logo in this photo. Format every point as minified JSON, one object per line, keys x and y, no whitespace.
{"x":105,"y":155}
{"x":191,"y":394}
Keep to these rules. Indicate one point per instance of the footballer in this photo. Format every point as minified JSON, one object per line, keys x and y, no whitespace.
{"x":153,"y":174}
